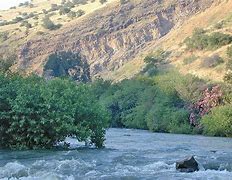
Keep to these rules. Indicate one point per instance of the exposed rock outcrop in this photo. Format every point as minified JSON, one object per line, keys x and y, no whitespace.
{"x":110,"y":37}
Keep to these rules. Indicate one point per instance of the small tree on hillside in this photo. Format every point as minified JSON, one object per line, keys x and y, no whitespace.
{"x":48,"y":24}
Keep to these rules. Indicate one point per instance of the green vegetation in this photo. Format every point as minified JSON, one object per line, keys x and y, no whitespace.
{"x":6,"y":63}
{"x":201,"y":41}
{"x":67,"y":64}
{"x":166,"y":102}
{"x":219,"y":121}
{"x":156,"y":103}
{"x":48,"y":24}
{"x":36,"y":114}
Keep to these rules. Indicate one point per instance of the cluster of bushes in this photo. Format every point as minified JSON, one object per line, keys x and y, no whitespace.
{"x":6,"y":62}
{"x":159,"y":103}
{"x":73,"y":14}
{"x":167,"y":102}
{"x":201,"y":40}
{"x":67,"y":64}
{"x":22,"y":17}
{"x":35,"y":113}
{"x":26,"y":4}
{"x":47,"y":23}
{"x":26,"y":24}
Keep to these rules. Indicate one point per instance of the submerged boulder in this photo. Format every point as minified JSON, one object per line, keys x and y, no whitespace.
{"x":187,"y":165}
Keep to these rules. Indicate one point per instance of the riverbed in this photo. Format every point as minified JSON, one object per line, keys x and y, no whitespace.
{"x":128,"y":154}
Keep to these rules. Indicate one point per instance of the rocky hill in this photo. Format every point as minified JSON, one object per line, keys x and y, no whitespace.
{"x":114,"y":38}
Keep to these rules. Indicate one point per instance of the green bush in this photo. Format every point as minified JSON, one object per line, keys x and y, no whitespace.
{"x":64,"y":10}
{"x":156,"y":57}
{"x":48,"y":24}
{"x":80,"y":13}
{"x":218,"y":122}
{"x":6,"y":63}
{"x":156,"y":103}
{"x":200,"y":40}
{"x":67,"y":64}
{"x":228,"y":77}
{"x":38,"y":114}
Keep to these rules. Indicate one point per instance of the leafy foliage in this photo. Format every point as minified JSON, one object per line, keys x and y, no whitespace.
{"x":156,"y":103}
{"x":38,"y":114}
{"x":48,"y":24}
{"x":218,"y":122}
{"x":67,"y":64}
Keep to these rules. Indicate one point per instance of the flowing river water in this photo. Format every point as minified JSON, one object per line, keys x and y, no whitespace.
{"x":129,"y":154}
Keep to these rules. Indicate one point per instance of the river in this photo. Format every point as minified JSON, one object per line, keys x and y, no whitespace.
{"x":129,"y":155}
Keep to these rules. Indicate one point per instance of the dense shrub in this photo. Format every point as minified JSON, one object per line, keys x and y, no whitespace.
{"x":26,"y":24}
{"x":212,"y":61}
{"x":64,"y":10}
{"x":200,"y":40}
{"x":156,"y":57}
{"x":219,"y":121}
{"x":39,"y":114}
{"x":156,"y":103}
{"x":228,"y":77}
{"x":67,"y":64}
{"x":80,"y":13}
{"x":7,"y":62}
{"x":48,"y":24}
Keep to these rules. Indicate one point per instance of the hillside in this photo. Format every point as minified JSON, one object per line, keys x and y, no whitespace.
{"x":113,"y":38}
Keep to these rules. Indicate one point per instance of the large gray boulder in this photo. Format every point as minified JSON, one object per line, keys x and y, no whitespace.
{"x":187,"y":165}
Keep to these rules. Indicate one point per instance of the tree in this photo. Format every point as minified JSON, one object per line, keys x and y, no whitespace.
{"x":48,"y":24}
{"x":35,"y":114}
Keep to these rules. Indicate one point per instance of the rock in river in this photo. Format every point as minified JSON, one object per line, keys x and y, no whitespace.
{"x":187,"y":165}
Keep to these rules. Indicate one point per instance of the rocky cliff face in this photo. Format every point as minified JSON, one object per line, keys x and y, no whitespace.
{"x":111,"y":36}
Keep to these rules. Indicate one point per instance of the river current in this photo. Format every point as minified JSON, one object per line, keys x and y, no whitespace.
{"x":129,"y":154}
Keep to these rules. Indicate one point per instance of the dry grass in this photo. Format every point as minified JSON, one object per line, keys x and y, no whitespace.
{"x":173,"y":42}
